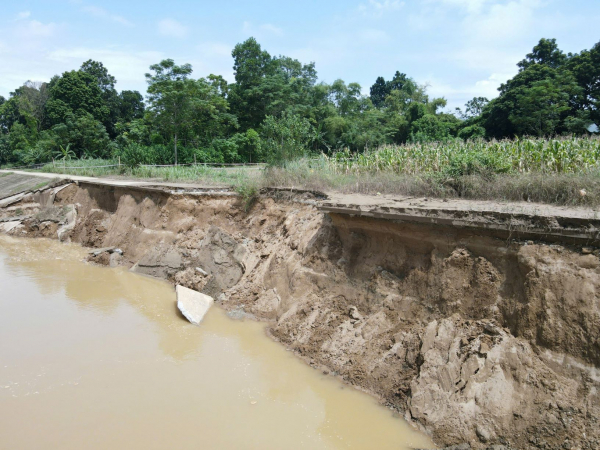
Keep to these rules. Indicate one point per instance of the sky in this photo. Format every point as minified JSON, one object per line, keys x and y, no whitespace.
{"x":458,"y":48}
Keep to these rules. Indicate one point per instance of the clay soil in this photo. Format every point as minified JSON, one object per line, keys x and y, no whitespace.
{"x":474,"y":338}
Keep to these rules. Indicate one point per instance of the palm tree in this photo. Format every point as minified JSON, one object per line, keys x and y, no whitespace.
{"x":65,"y":153}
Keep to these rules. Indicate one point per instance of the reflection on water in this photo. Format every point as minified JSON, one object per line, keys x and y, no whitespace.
{"x":98,"y":358}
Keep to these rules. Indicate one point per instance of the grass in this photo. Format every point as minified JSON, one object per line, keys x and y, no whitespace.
{"x":82,"y":167}
{"x":563,"y":171}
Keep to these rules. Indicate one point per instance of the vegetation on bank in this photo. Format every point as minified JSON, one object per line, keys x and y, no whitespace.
{"x":563,"y":171}
{"x":276,"y":111}
{"x":534,"y":142}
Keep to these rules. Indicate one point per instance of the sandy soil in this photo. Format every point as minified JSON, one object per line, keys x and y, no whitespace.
{"x":475,"y":338}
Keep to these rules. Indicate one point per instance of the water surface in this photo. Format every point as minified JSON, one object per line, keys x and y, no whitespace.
{"x":99,"y":358}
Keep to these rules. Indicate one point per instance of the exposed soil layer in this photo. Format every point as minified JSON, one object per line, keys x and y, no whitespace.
{"x":476,"y":339}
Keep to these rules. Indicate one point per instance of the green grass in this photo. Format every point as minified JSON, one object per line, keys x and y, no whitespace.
{"x":564,"y":171}
{"x":82,"y":167}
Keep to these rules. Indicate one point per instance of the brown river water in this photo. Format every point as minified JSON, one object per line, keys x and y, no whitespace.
{"x":98,"y":358}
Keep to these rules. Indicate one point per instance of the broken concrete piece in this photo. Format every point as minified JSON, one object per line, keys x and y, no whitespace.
{"x":99,"y":251}
{"x":7,"y":227}
{"x":192,"y":304}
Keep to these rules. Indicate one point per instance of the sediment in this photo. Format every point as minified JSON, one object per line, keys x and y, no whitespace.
{"x":477,"y":331}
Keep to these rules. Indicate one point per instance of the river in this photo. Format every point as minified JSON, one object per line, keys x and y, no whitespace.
{"x":98,"y":358}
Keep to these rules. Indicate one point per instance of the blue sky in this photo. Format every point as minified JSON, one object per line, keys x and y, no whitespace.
{"x":459,"y":48}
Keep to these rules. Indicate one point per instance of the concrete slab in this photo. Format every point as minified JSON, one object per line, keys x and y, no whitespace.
{"x":192,"y":304}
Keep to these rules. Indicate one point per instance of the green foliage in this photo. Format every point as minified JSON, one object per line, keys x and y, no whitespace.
{"x":276,"y":111}
{"x":65,"y":153}
{"x":134,"y":155}
{"x":75,"y":93}
{"x":458,"y":158}
{"x":286,"y":138}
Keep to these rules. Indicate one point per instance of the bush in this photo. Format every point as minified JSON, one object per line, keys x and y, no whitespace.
{"x":134,"y":155}
{"x":482,"y":164}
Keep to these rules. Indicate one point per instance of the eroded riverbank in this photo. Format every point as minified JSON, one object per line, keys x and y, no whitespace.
{"x":98,"y":358}
{"x":473,"y":335}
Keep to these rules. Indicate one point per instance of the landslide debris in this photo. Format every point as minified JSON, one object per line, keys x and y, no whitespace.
{"x":482,"y":342}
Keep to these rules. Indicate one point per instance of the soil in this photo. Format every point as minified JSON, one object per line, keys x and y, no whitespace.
{"x":476,"y":337}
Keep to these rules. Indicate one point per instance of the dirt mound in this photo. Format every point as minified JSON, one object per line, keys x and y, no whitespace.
{"x":475,"y":339}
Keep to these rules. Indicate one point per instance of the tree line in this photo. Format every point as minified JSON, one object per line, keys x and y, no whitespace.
{"x":276,"y":109}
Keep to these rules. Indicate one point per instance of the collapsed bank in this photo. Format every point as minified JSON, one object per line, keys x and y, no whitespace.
{"x":480,"y":326}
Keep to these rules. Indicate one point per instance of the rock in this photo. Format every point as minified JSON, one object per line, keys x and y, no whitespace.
{"x":9,"y":226}
{"x":162,"y":261}
{"x":483,"y":433}
{"x":118,"y":251}
{"x":353,"y":313}
{"x":222,"y":257}
{"x":99,"y":251}
{"x":491,"y":329}
{"x":484,"y":348}
{"x":192,"y":304}
{"x":587,"y":250}
{"x":201,"y":272}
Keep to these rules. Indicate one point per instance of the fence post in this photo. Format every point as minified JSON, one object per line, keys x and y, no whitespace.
{"x":119,"y":157}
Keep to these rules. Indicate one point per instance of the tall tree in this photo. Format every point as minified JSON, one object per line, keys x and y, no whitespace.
{"x":75,"y":92}
{"x":546,"y":52}
{"x":131,"y":106}
{"x":251,"y":65}
{"x":169,"y":89}
{"x":378,"y":92}
{"x":106,"y":83}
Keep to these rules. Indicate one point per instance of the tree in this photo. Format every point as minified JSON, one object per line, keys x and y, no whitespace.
{"x":251,"y":65}
{"x":106,"y":82}
{"x":131,"y":106}
{"x":546,"y":52}
{"x":473,"y":108}
{"x":378,"y":92}
{"x":32,"y":98}
{"x":286,"y":138}
{"x":169,"y":96}
{"x":183,"y":108}
{"x":544,"y":98}
{"x":381,"y":89}
{"x":586,"y":70}
{"x":75,"y":92}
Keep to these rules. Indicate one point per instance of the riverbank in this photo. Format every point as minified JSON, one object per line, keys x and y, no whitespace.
{"x":479,"y":323}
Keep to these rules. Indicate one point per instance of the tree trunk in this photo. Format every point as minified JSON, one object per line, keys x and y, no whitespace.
{"x":175,"y":148}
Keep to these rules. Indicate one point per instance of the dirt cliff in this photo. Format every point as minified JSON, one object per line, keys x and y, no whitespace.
{"x":473,"y":338}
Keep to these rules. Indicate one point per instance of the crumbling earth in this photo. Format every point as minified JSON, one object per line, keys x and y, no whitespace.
{"x":475,"y":339}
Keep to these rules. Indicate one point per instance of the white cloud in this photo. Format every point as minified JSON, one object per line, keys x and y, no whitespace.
{"x":172,"y":28}
{"x":261,"y":30}
{"x":23,"y":15}
{"x":272,"y":29}
{"x":471,"y":6}
{"x":128,"y":67}
{"x":379,"y":7}
{"x":218,"y":49}
{"x":104,"y":14}
{"x":503,"y":22}
{"x":36,"y":29}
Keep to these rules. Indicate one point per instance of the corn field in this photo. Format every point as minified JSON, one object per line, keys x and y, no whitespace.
{"x":560,"y":155}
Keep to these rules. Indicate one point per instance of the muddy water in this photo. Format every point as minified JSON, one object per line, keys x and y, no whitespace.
{"x":99,"y":358}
